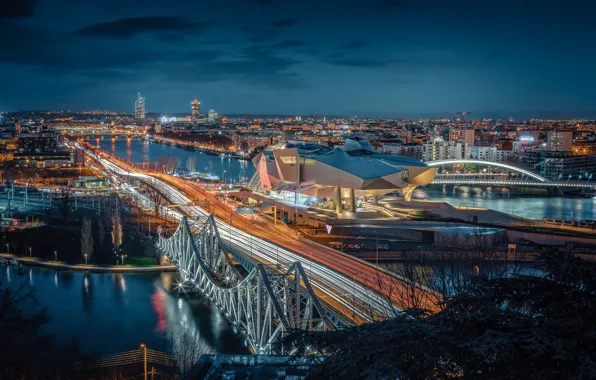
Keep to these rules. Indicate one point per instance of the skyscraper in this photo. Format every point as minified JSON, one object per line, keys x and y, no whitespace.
{"x":196,"y":109}
{"x":140,"y":107}
{"x":212,"y":116}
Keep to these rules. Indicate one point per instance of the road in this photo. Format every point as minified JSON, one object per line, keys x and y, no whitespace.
{"x":355,"y":288}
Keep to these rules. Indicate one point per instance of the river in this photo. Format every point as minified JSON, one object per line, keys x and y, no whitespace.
{"x":108,"y":313}
{"x":532,"y":207}
{"x":141,"y":151}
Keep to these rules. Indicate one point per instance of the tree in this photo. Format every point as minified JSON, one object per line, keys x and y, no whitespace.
{"x":187,"y":345}
{"x":116,"y":230}
{"x":156,"y":198}
{"x":520,"y":326}
{"x":65,"y":203}
{"x":86,"y":238}
{"x":191,"y":165}
{"x":169,"y":164}
{"x":21,"y":342}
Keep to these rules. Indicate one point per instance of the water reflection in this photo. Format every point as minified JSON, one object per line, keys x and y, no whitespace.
{"x":532,"y":207}
{"x":109,"y":313}
{"x":87,"y":294}
{"x":138,"y":151}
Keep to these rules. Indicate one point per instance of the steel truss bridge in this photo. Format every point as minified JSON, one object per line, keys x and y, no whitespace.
{"x":264,"y":305}
{"x":526,"y":177}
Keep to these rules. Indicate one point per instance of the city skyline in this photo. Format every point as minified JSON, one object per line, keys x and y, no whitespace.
{"x":388,"y":58}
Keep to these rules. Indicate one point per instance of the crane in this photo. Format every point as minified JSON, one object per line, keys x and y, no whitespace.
{"x":462,"y":114}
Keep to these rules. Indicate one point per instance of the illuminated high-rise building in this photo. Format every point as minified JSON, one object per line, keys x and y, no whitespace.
{"x":212,"y":116}
{"x":196,"y":109}
{"x":140,"y":107}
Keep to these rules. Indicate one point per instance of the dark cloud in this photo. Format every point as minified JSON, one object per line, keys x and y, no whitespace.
{"x":132,"y":26}
{"x":284,"y":23}
{"x":355,"y":45}
{"x":288,"y":44}
{"x":17,"y":8}
{"x":255,"y":65}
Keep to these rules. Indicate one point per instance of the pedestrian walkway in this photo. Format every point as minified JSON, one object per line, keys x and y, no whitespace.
{"x":59,"y":265}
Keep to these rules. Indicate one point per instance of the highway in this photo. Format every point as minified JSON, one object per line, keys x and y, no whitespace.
{"x":351,"y":286}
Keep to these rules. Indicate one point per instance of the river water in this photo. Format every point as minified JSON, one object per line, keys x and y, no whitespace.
{"x":141,"y":151}
{"x":532,"y":207}
{"x":108,"y":313}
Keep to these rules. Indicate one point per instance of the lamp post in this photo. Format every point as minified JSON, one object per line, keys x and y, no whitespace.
{"x":55,"y":255}
{"x":30,"y":249}
{"x":144,"y":348}
{"x":7,"y":248}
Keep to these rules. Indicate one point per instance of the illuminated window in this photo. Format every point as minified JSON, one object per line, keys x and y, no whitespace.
{"x":288,"y":159}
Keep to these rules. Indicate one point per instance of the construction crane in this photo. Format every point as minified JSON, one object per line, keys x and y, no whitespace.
{"x":462,"y":114}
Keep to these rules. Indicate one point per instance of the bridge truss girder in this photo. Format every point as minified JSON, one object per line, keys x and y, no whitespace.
{"x":265,"y":305}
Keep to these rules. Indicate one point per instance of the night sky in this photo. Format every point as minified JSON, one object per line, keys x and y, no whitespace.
{"x":404,"y":58}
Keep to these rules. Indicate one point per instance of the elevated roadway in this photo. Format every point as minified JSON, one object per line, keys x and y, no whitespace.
{"x":357,"y":289}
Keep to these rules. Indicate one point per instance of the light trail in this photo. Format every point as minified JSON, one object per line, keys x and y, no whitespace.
{"x":340,"y":281}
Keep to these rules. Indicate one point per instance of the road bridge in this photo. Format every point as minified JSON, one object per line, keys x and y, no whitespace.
{"x":264,"y":305}
{"x":350,"y":290}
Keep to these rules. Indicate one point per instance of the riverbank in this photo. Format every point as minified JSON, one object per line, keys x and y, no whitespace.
{"x":59,"y":265}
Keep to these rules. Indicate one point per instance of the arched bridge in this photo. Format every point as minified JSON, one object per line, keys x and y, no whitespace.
{"x":263,"y":305}
{"x":527,"y":178}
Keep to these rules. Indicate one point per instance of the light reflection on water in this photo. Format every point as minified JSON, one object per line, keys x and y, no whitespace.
{"x":109,"y":313}
{"x":140,"y":151}
{"x":531,"y":207}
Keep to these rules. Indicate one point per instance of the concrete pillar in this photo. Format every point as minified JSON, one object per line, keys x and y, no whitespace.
{"x":376,"y":200}
{"x":338,"y":199}
{"x":352,"y":201}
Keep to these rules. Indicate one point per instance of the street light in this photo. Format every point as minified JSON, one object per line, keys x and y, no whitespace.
{"x":7,"y":248}
{"x":144,"y":348}
{"x":55,"y":255}
{"x":30,"y":251}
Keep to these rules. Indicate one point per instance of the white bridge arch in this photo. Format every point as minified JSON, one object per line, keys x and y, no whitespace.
{"x":487,"y":163}
{"x":264,"y":305}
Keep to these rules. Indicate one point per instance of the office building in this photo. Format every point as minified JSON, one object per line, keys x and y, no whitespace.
{"x":559,"y":165}
{"x":439,"y":149}
{"x":140,"y":107}
{"x":212,"y":116}
{"x":463,"y":135}
{"x":560,"y":141}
